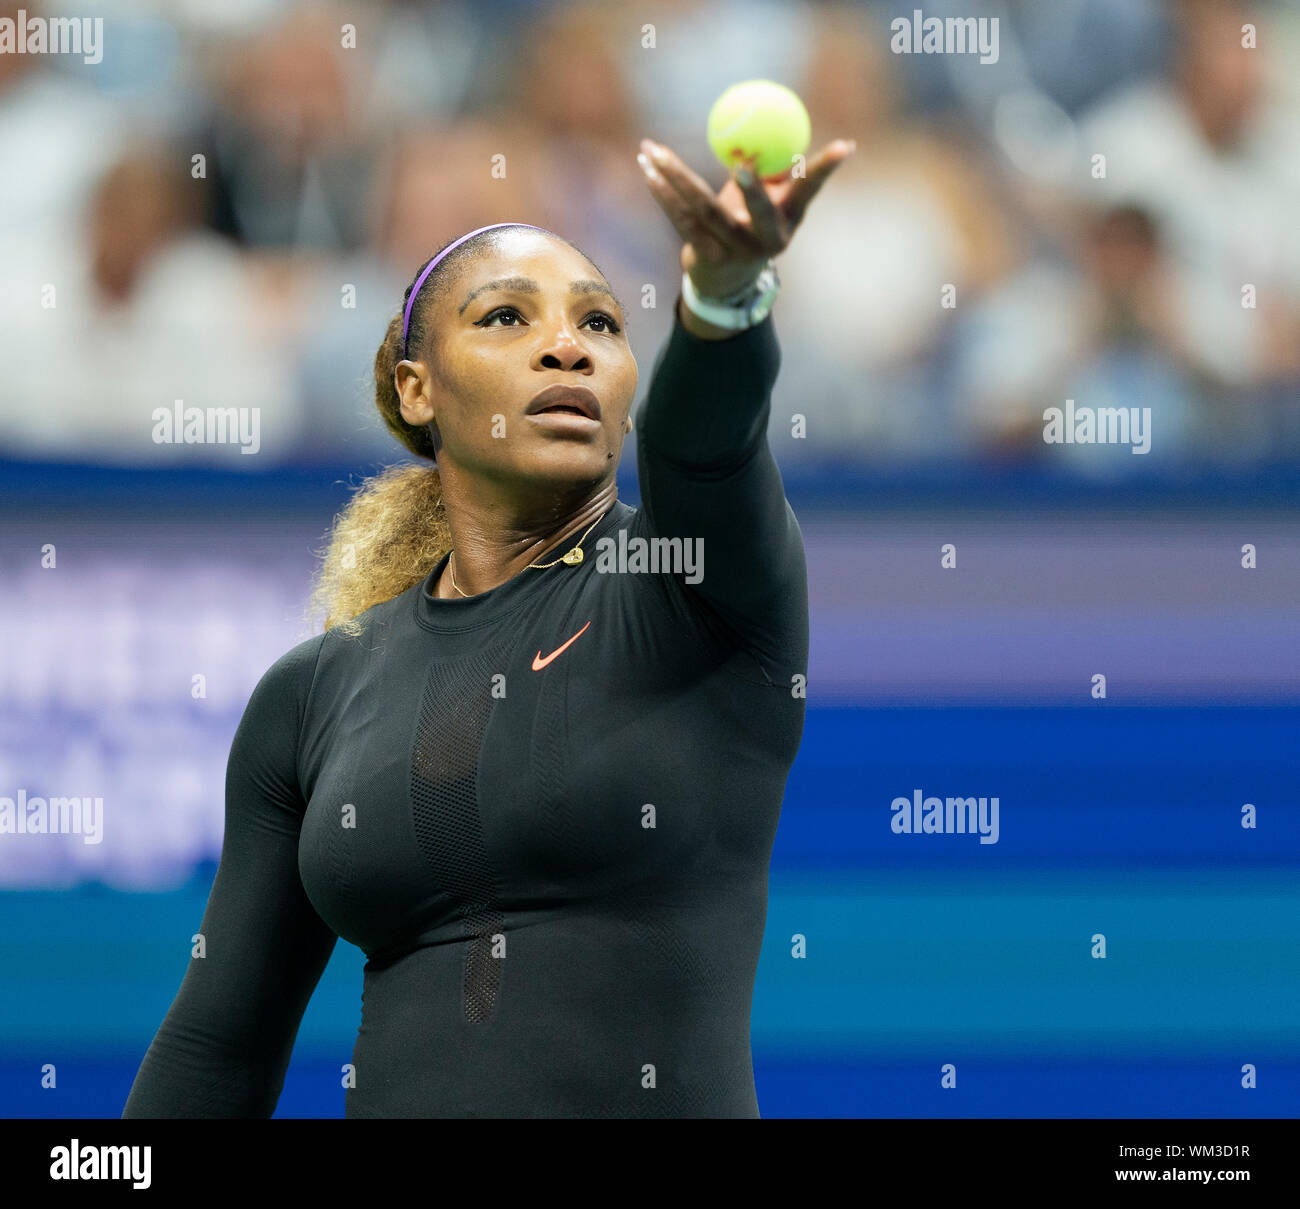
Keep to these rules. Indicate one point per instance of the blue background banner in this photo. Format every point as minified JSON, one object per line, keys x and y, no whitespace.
{"x":1120,"y":817}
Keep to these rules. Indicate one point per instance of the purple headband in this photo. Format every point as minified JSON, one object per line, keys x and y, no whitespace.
{"x":451,"y":247}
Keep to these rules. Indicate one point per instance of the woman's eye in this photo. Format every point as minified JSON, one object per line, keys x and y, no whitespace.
{"x":610,"y":327}
{"x":502,"y":311}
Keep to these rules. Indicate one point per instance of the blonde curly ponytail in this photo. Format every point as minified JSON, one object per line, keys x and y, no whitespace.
{"x":394,"y":530}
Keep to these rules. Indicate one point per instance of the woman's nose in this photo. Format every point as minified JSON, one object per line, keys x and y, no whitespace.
{"x":564,"y":350}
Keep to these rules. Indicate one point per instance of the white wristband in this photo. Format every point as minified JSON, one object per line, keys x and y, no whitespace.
{"x":746,"y":310}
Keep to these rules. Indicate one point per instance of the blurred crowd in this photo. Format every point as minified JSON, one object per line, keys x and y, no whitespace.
{"x":226,"y":209}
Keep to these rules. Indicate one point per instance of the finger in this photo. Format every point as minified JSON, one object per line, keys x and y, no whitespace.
{"x":819,"y":170}
{"x":770,"y":225}
{"x":703,"y":202}
{"x":803,"y":190}
{"x":685,"y":221}
{"x":707,"y":210}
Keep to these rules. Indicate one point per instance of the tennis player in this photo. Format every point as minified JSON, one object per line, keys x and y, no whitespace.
{"x":534,"y":765}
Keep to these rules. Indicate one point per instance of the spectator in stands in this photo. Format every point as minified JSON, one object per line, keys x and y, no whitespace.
{"x":863,"y":301}
{"x":1209,"y":151}
{"x":146,"y":309}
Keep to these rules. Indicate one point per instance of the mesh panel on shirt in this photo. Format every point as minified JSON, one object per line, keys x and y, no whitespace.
{"x":454,"y":713}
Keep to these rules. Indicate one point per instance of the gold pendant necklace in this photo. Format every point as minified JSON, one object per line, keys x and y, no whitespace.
{"x":572,"y":558}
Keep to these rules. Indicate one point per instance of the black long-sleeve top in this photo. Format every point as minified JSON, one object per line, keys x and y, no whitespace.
{"x":558,"y":873}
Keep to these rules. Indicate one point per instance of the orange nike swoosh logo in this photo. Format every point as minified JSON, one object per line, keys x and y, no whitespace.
{"x":539,"y":662}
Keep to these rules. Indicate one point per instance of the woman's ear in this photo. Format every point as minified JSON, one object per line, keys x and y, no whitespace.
{"x":414,"y":404}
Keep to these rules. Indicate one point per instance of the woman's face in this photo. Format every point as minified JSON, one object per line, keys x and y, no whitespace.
{"x":524,"y":316}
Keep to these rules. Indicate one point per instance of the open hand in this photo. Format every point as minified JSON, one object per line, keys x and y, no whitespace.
{"x":729,"y":236}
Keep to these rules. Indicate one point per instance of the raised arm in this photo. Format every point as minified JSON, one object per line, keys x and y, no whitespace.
{"x":707,"y":476}
{"x":705,"y":468}
{"x":224,"y":1046}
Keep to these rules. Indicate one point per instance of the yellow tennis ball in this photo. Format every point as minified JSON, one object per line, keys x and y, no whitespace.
{"x":759,"y":118}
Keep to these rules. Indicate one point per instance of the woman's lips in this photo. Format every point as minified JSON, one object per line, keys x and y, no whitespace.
{"x":581,"y":401}
{"x":572,"y":420}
